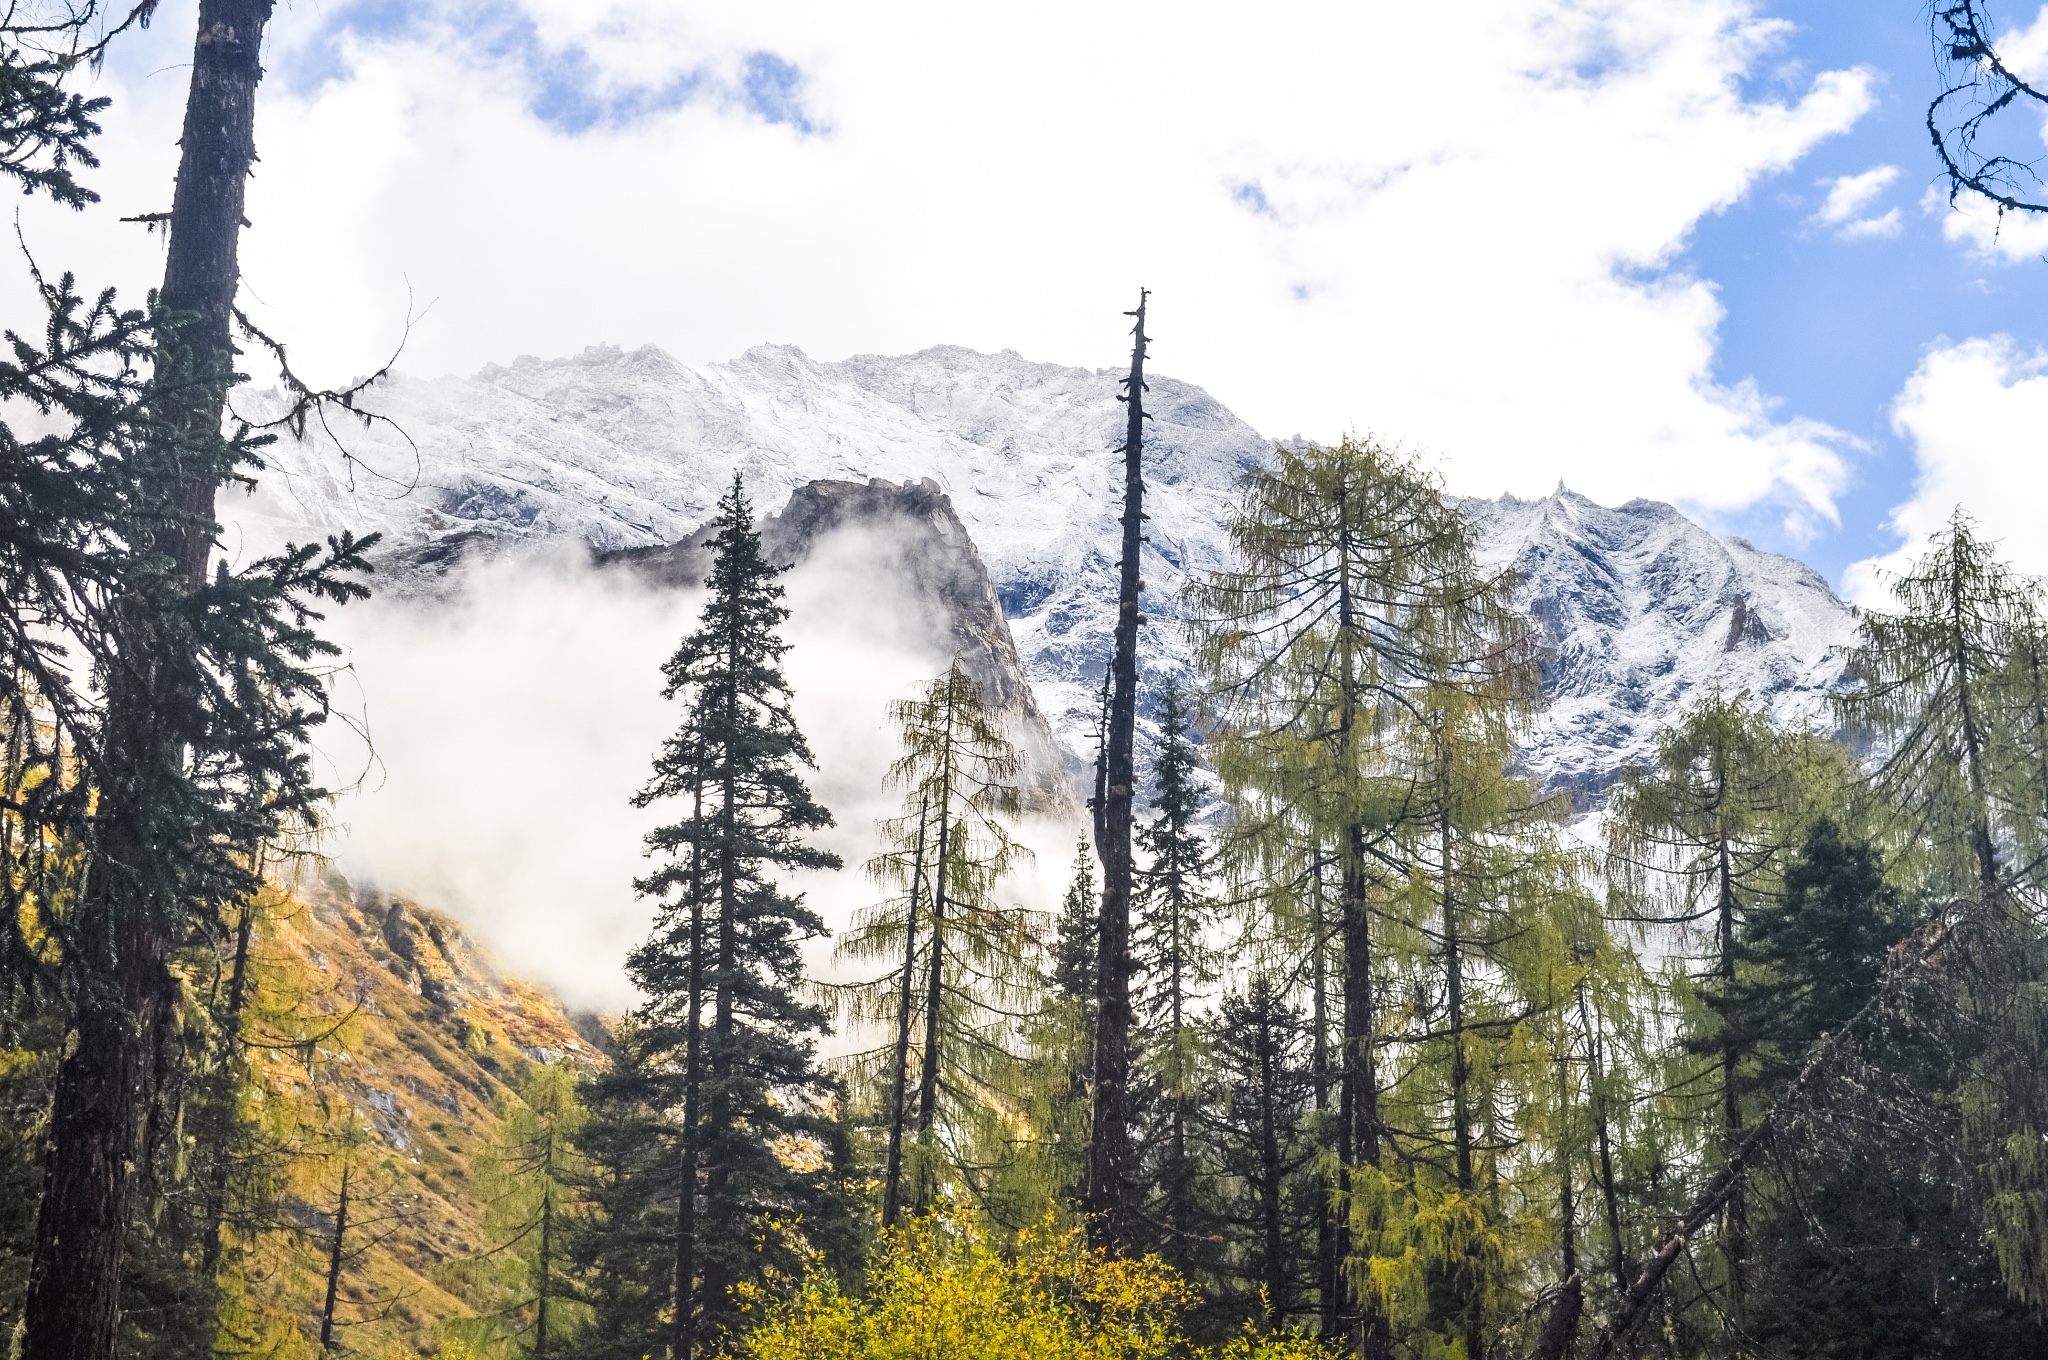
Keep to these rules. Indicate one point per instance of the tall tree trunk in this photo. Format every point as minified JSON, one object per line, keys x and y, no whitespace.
{"x":1270,"y":1172}
{"x":723,"y":984}
{"x":683,"y":1341}
{"x":547,"y":1263}
{"x":1319,"y":1070}
{"x":1598,"y":1084}
{"x":892,"y":1179}
{"x":1732,"y":1219}
{"x":1461,"y":1111}
{"x":1109,"y":1146}
{"x":72,"y":1308}
{"x":231,"y":1042}
{"x":335,"y":1246}
{"x":935,"y":982}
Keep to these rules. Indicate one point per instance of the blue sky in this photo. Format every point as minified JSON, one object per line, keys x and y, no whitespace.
{"x":1835,"y":327}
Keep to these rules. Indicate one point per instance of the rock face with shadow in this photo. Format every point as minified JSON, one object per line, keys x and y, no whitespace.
{"x":911,"y":533}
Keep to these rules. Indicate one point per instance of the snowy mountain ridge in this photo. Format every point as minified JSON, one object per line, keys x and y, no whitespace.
{"x":628,"y":449}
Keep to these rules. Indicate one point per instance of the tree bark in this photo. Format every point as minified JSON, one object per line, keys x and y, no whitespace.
{"x":104,"y":1086}
{"x":892,"y":1179}
{"x":1270,"y":1172}
{"x":1110,"y":1137}
{"x":1319,"y":1068}
{"x":334,"y":1255}
{"x":684,"y":1325}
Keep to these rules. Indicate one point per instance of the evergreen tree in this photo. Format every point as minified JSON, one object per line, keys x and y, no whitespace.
{"x":1173,"y":960}
{"x":1257,"y":1129}
{"x":623,"y":1249}
{"x":726,"y":942}
{"x":1864,"y":1248}
{"x":1074,"y":946}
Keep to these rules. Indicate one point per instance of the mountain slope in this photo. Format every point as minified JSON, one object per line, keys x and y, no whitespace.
{"x":1641,"y":609}
{"x":631,"y":450}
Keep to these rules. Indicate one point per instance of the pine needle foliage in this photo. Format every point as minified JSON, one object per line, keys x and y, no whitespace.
{"x":722,"y":972}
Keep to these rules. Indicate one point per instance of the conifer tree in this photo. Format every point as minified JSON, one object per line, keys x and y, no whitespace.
{"x":1357,"y":589}
{"x":1696,"y":843}
{"x":1116,"y":781}
{"x":726,"y":942}
{"x":1257,"y":1130}
{"x":623,"y":1248}
{"x":1172,"y":955}
{"x":533,"y":1182}
{"x":953,"y":1003}
{"x":1865,"y":1247}
{"x":1949,"y":691}
{"x":169,"y":695}
{"x":1074,"y":947}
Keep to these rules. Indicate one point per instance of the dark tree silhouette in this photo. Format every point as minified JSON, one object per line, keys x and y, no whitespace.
{"x":1109,"y":1150}
{"x":1968,"y":119}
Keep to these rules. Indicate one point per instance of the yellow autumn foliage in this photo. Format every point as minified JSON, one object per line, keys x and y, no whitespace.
{"x":938,"y":1291}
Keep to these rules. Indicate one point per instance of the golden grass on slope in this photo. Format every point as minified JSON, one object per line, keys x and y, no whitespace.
{"x":384,"y":1044}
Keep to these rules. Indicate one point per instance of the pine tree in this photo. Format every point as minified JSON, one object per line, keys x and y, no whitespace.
{"x":164,"y":699}
{"x":1864,"y":1247}
{"x":726,"y":942}
{"x":1173,"y":959}
{"x":1258,"y":1133}
{"x":1074,"y":947}
{"x":951,"y":1006}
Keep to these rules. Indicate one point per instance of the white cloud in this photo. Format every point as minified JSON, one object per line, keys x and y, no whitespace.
{"x":1482,"y":267}
{"x":1977,"y":415}
{"x":1849,"y":195}
{"x":1975,"y":221}
{"x":513,"y":721}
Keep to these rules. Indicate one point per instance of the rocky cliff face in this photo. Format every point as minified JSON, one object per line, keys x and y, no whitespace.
{"x":912,"y":533}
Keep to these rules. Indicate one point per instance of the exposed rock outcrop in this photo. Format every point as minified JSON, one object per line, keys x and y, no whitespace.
{"x":913,"y":533}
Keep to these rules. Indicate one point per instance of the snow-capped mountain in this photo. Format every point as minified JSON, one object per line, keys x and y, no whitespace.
{"x":1642,"y":609}
{"x":629,"y":449}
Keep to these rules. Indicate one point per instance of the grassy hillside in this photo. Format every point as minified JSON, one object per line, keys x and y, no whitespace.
{"x":385,"y":1045}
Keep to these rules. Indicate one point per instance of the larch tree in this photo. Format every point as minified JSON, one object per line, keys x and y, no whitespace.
{"x":533,"y":1180}
{"x":726,"y":941}
{"x":1355,"y":588}
{"x":1696,"y":843}
{"x":951,"y":1007}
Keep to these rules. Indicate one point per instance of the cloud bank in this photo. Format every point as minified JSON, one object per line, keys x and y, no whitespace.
{"x":511,"y":722}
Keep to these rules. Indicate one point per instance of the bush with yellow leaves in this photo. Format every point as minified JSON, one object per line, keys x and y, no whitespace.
{"x":937,"y":1291}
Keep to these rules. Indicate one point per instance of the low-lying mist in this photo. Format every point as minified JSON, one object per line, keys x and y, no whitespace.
{"x":511,"y":718}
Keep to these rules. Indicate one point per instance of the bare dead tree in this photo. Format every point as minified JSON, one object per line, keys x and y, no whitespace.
{"x":1109,"y":1149}
{"x":1978,"y":90}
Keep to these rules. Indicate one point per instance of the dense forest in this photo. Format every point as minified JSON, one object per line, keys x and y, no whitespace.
{"x":1347,"y":1039}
